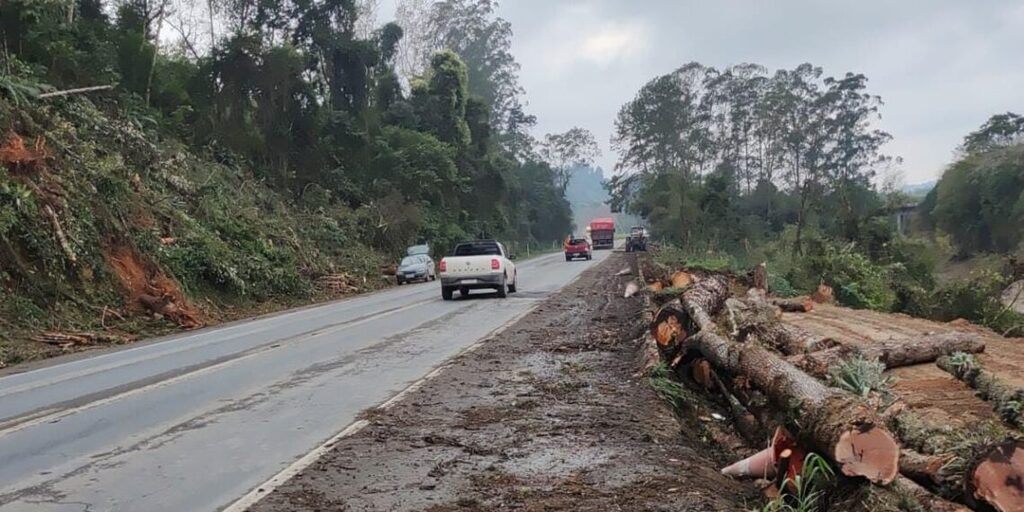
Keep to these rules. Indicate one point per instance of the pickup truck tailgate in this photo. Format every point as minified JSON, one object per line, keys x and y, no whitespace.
{"x":469,"y":266}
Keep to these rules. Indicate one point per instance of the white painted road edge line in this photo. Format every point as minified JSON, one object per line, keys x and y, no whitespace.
{"x":259,"y":492}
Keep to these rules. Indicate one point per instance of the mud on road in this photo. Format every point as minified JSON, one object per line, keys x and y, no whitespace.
{"x":547,"y":415}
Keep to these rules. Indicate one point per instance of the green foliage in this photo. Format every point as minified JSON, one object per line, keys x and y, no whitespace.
{"x":808,"y":487}
{"x":669,"y":389}
{"x":857,"y":281}
{"x":860,"y":376}
{"x":980,"y":200}
{"x":725,"y":159}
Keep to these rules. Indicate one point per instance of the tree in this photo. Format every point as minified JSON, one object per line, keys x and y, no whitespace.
{"x":702,"y":149}
{"x":999,"y":130}
{"x":564,"y":152}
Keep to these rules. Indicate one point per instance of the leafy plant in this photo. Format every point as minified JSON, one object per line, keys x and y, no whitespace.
{"x":860,"y":376}
{"x":669,"y":389}
{"x":807,"y":487}
{"x":962,"y":362}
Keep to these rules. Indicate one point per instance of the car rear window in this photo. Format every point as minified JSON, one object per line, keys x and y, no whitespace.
{"x":411,"y":260}
{"x":478,"y":249}
{"x":577,"y":241}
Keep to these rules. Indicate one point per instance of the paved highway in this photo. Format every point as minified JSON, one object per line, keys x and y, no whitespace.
{"x":193,"y":422}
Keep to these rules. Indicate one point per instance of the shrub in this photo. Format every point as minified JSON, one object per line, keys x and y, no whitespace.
{"x":858,"y":282}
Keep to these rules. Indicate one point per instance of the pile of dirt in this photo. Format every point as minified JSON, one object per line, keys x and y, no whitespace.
{"x":149,"y":289}
{"x":548,"y":415}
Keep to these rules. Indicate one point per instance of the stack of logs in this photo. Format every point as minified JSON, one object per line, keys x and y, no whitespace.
{"x":774,"y":374}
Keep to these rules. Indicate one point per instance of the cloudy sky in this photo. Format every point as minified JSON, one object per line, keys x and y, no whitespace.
{"x":941,"y":66}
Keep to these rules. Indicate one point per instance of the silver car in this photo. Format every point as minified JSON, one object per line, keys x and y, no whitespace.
{"x":416,"y":267}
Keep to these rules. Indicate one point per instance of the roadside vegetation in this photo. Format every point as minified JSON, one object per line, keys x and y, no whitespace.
{"x":277,"y":153}
{"x":742,"y":166}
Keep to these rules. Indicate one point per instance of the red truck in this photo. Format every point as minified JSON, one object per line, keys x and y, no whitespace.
{"x":602,"y":233}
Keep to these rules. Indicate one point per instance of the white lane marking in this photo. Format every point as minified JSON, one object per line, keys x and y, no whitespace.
{"x":63,"y":413}
{"x":259,"y":492}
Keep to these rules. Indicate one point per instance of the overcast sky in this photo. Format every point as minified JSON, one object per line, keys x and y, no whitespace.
{"x":942,"y":67}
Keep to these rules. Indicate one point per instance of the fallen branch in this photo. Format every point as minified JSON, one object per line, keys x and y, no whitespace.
{"x":794,"y":305}
{"x":893,"y":353}
{"x":79,"y":90}
{"x":62,"y":238}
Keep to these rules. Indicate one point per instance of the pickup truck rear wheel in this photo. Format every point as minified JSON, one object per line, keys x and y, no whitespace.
{"x":502,"y":290}
{"x":512,"y":287}
{"x":447,"y":292}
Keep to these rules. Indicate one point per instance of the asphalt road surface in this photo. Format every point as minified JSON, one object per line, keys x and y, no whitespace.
{"x":193,"y":422}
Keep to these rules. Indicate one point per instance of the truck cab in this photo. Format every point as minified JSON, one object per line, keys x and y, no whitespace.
{"x":477,"y":264}
{"x":637,"y":239}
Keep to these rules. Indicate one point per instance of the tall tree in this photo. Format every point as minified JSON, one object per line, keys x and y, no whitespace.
{"x":565,"y":152}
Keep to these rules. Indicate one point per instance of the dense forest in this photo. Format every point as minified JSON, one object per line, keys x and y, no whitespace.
{"x":737,"y":166}
{"x":187,"y":158}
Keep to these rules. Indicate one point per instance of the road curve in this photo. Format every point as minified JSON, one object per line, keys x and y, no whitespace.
{"x":193,"y":422}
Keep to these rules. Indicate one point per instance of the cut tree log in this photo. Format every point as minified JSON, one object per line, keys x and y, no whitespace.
{"x":893,"y":353}
{"x":674,"y":322}
{"x":927,"y":470}
{"x":761,"y":322}
{"x":835,"y":423}
{"x":794,"y":305}
{"x":996,"y":477}
{"x":759,"y":277}
{"x":1007,"y":400}
{"x":823,"y":295}
{"x":681,"y":279}
{"x":983,"y":463}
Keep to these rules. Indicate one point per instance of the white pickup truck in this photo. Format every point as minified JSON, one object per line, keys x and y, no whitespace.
{"x":475,"y":265}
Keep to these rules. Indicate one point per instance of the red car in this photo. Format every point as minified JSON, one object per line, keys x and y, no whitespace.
{"x":577,"y":248}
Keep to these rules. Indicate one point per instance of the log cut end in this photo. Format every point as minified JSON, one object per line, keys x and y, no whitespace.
{"x":669,"y":331}
{"x":869,"y":452}
{"x":999,"y":477}
{"x":681,"y":279}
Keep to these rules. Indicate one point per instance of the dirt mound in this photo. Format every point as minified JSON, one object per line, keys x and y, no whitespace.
{"x":20,"y":159}
{"x":147,"y":287}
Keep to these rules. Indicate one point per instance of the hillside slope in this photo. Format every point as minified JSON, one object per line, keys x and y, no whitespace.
{"x":107,"y":232}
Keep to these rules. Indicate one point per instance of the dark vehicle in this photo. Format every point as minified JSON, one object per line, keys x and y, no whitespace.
{"x":577,"y":248}
{"x":417,"y":267}
{"x":637,"y":239}
{"x":602,"y":232}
